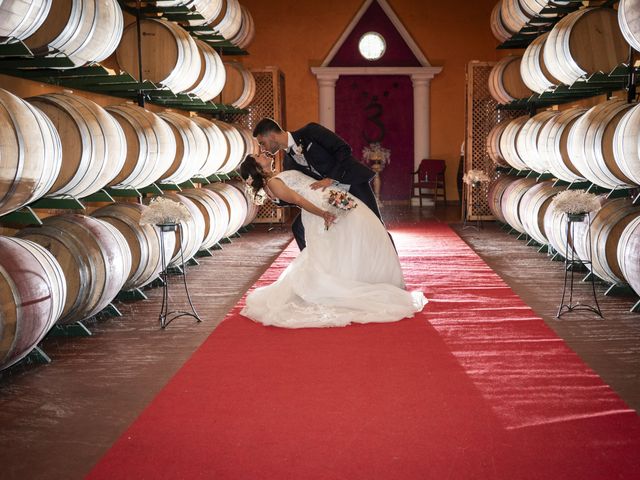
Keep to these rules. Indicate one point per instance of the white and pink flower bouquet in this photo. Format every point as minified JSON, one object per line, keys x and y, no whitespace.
{"x":342,"y":200}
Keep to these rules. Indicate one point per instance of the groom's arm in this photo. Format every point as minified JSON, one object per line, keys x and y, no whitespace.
{"x":333,"y":144}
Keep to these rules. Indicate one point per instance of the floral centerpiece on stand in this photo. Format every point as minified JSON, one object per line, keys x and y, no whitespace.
{"x":164,"y":213}
{"x":475,"y":178}
{"x":377,"y":157}
{"x":575,"y":203}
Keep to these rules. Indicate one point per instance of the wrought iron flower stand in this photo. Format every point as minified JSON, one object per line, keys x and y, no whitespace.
{"x":167,"y":316}
{"x":571,"y":262}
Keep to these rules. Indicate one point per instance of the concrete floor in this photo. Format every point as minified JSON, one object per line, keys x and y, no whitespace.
{"x":57,"y":420}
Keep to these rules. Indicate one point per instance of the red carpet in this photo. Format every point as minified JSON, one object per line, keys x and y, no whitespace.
{"x":476,"y":387}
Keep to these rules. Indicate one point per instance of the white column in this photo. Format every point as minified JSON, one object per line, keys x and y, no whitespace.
{"x":327,"y":100}
{"x":421,"y":141}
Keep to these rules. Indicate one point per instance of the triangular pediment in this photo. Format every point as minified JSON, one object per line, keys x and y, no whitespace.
{"x":376,"y":16}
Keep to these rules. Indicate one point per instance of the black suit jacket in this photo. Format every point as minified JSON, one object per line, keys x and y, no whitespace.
{"x":329,"y":154}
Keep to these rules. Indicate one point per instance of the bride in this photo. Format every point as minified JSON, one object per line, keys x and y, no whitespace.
{"x":349,"y":272}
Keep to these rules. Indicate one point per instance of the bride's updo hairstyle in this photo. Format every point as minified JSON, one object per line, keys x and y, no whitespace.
{"x":250,"y":168}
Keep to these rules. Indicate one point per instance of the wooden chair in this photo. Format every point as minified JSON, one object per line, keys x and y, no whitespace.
{"x":431,"y":177}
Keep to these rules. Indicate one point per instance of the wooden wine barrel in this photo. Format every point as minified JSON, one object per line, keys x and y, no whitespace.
{"x":251,"y":146}
{"x":151,"y":146}
{"x":607,"y":225}
{"x":214,"y":211}
{"x":496,"y":190}
{"x":218,"y":146}
{"x":493,"y":145}
{"x":590,"y":144}
{"x":32,"y":293}
{"x":510,"y":202}
{"x":170,"y":56}
{"x":625,"y":144}
{"x":191,"y":148}
{"x":213,"y":75}
{"x":629,"y":21}
{"x":513,"y":15}
{"x":508,"y":142}
{"x":534,"y":7}
{"x":237,"y":147}
{"x":555,"y":230}
{"x":247,"y":30}
{"x":84,"y":30}
{"x":30,"y":153}
{"x":252,"y":208}
{"x":629,"y":254}
{"x":497,"y":25}
{"x":93,"y":144}
{"x":527,"y":141}
{"x":533,"y":70}
{"x":552,"y":145}
{"x":229,"y":22}
{"x":20,"y":18}
{"x":143,"y":241}
{"x":240,"y":86}
{"x":236,"y":206}
{"x":505,"y":81}
{"x":533,"y":208}
{"x":93,"y":257}
{"x":192,"y":231}
{"x":584,"y":42}
{"x":210,"y":10}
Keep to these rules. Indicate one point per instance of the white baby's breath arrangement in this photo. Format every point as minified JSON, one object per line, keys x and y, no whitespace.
{"x":162,"y":211}
{"x":575,"y":202}
{"x":475,"y":177}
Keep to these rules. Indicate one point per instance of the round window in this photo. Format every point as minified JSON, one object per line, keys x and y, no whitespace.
{"x":372,"y":46}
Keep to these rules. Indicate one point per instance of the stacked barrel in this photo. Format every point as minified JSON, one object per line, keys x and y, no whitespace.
{"x":586,"y":144}
{"x":62,"y":145}
{"x":582,"y":43}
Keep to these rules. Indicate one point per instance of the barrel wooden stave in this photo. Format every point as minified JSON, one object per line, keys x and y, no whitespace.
{"x":237,"y":147}
{"x":496,"y":190}
{"x":584,"y":42}
{"x":552,"y":145}
{"x":143,"y":241}
{"x":607,"y":225}
{"x":510,"y":202}
{"x":213,"y":75}
{"x":169,"y":54}
{"x":214,"y":211}
{"x":629,"y":21}
{"x":192,"y":231}
{"x":626,"y":143}
{"x":493,"y":145}
{"x":236,"y":206}
{"x":240,"y":85}
{"x":151,"y":146}
{"x":527,"y":141}
{"x":533,"y":208}
{"x":30,"y":153}
{"x":32,"y":292}
{"x":84,"y":30}
{"x":590,"y":144}
{"x":508,"y":141}
{"x":218,"y":146}
{"x":92,"y":258}
{"x":191,"y":148}
{"x":93,"y":143}
{"x":629,"y":254}
{"x":21,"y":18}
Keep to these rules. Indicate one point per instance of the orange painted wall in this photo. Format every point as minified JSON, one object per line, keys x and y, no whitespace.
{"x":296,"y":35}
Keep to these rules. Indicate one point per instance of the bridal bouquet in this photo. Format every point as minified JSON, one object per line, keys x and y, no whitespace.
{"x":342,"y":200}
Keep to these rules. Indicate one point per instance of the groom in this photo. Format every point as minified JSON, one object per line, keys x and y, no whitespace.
{"x":321,"y":154}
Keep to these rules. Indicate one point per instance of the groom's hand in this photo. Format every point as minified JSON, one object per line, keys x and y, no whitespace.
{"x":323,"y":184}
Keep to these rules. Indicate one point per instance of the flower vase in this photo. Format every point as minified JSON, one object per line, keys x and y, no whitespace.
{"x":377,"y":166}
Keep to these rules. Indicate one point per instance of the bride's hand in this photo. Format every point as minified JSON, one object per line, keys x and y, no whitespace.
{"x":329,"y":218}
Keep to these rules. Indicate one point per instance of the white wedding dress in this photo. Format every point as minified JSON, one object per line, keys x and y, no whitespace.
{"x":349,"y":273}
